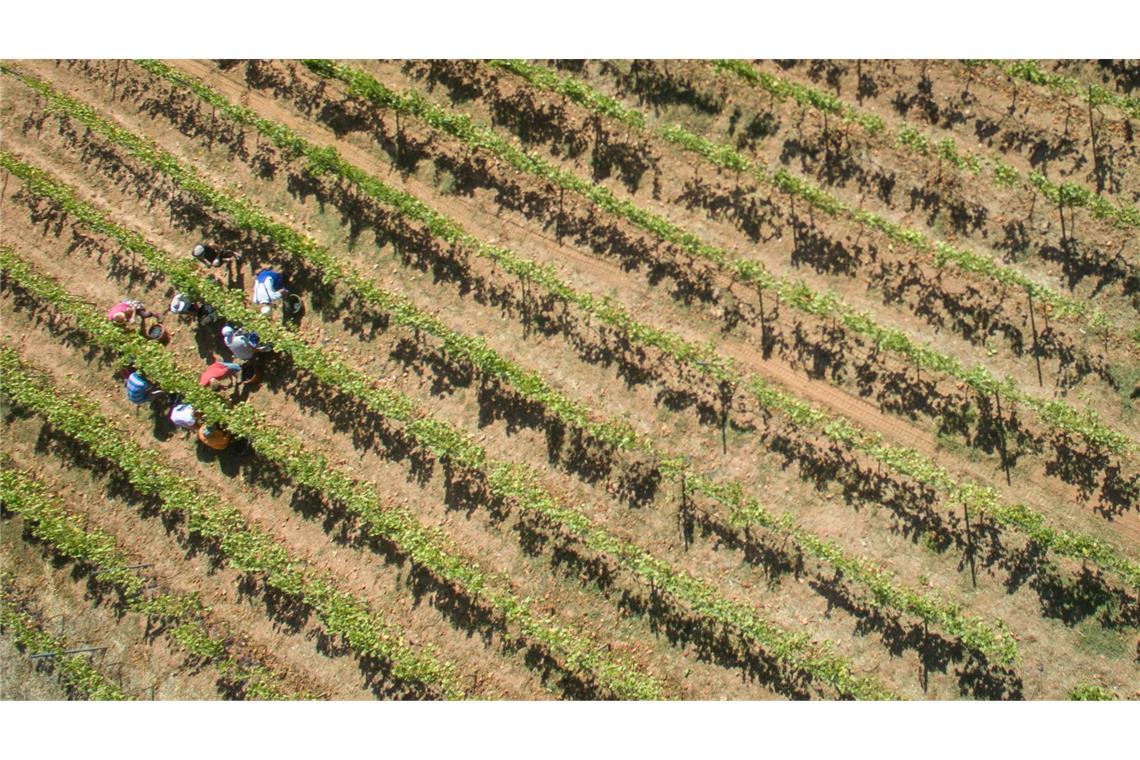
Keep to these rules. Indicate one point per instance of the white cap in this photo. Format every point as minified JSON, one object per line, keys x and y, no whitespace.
{"x":266,"y":309}
{"x":227,"y":331}
{"x":179,"y":304}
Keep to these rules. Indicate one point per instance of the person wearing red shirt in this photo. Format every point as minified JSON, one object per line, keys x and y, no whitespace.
{"x":217,"y":372}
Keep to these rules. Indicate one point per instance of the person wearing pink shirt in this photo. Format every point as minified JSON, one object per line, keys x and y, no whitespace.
{"x":125,"y":312}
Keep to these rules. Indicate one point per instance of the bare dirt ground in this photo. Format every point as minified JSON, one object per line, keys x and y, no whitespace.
{"x":1060,"y":647}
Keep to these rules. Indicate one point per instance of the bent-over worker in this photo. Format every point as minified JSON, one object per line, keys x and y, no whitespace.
{"x":213,"y":257}
{"x":244,"y":345}
{"x":126,"y":311}
{"x":214,"y":437}
{"x":139,"y":389}
{"x":268,"y":289}
{"x":185,"y":416}
{"x":218,"y":372}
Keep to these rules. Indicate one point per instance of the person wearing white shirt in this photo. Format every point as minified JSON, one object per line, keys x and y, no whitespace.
{"x":268,"y":289}
{"x":184,"y":416}
{"x":244,"y":345}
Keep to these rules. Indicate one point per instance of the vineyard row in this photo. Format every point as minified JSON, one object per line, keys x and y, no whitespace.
{"x":180,"y":615}
{"x":973,"y":495}
{"x":744,"y":510}
{"x":247,"y":548}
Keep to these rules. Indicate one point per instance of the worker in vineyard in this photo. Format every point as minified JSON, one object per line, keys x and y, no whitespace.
{"x":214,"y":437}
{"x":218,"y":373}
{"x":182,"y":304}
{"x":185,"y":417}
{"x":210,"y":256}
{"x":125,"y":312}
{"x":268,"y":289}
{"x":244,"y":345}
{"x":139,"y":389}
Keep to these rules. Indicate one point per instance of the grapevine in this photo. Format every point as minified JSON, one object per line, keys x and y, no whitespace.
{"x":247,"y":548}
{"x":28,"y":497}
{"x":984,"y":500}
{"x":973,"y":632}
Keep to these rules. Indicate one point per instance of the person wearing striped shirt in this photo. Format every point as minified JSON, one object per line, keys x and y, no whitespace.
{"x":139,"y":389}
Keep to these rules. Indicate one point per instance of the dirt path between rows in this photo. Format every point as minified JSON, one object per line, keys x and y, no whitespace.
{"x":746,"y":353}
{"x":606,"y":276}
{"x":667,"y":659}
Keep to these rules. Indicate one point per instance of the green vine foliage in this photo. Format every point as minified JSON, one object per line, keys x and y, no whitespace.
{"x":973,"y":632}
{"x":1091,"y":693}
{"x":905,"y":461}
{"x":247,"y":548}
{"x":47,"y":520}
{"x":1085,"y":423}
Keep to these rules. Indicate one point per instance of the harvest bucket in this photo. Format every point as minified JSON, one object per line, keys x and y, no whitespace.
{"x":291,"y":305}
{"x":158,"y":333}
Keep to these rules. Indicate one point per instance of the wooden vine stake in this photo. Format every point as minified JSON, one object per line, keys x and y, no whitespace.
{"x":559,"y":221}
{"x":1001,"y":436}
{"x":1033,"y":324}
{"x":727,"y":392}
{"x":1061,"y":213}
{"x":683,"y":513}
{"x":1092,"y":138}
{"x":970,"y":544}
{"x":399,"y":138}
{"x":763,"y":323}
{"x":115,"y":79}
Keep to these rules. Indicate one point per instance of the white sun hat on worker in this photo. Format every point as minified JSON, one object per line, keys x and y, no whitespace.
{"x":180,"y":304}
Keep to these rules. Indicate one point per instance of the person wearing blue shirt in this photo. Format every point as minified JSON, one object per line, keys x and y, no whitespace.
{"x":139,"y":389}
{"x":268,"y":289}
